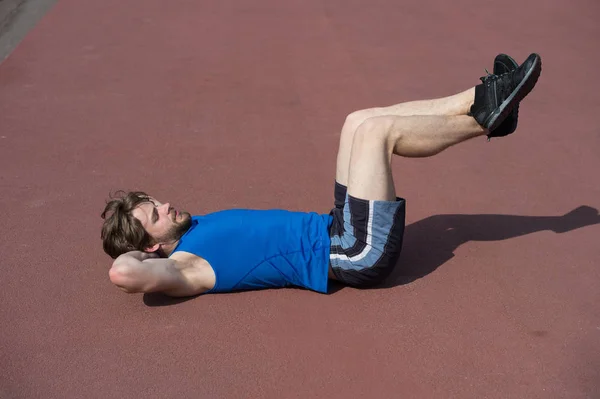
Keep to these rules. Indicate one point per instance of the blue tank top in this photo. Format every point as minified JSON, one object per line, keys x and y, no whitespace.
{"x":254,"y":249}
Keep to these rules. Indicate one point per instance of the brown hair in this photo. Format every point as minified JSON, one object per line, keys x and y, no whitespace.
{"x":121,"y":231}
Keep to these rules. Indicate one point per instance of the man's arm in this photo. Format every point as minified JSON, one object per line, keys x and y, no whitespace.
{"x":138,"y":271}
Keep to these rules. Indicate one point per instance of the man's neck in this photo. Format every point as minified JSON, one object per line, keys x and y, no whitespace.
{"x":167,"y":249}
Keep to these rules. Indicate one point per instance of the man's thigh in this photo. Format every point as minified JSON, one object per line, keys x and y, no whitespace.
{"x":370,"y":171}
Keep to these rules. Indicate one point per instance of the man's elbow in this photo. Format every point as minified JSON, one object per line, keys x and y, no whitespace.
{"x":120,"y":274}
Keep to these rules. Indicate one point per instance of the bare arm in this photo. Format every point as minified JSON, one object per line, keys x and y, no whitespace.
{"x":138,"y":271}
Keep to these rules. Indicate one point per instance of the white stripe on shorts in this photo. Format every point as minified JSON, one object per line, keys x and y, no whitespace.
{"x":367,"y":247}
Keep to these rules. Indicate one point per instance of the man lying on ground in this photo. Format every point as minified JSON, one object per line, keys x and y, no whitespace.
{"x":158,"y":248}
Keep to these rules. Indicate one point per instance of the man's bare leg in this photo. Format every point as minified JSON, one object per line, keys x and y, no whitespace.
{"x":378,"y":138}
{"x":458,"y":104}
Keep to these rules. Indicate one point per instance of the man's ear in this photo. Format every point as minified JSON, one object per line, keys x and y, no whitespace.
{"x":153,"y":248}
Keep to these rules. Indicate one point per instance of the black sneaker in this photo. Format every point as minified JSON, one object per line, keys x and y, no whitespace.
{"x":496,"y":97}
{"x":505,"y":64}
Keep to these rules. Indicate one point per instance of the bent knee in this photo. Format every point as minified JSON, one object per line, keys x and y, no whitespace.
{"x":377,"y":123}
{"x":375,"y":130}
{"x":356,"y":118}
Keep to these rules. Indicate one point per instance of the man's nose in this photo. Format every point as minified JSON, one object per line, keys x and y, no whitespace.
{"x":166,"y":207}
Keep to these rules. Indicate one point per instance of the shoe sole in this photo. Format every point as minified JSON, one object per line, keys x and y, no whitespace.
{"x":517,"y":95}
{"x":504,"y":63}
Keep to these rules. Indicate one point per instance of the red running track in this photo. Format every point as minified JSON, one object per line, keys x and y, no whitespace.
{"x":214,"y":105}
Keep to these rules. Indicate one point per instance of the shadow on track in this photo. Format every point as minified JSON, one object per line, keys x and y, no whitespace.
{"x":157,"y":299}
{"x":429,"y":243}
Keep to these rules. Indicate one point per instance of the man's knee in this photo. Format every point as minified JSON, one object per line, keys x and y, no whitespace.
{"x":356,"y":118}
{"x":353,"y":121}
{"x":375,"y":129}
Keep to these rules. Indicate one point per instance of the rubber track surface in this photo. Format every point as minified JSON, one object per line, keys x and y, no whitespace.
{"x":220,"y":104}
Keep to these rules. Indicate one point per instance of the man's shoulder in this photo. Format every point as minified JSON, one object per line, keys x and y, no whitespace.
{"x":184,"y":257}
{"x":188,"y":259}
{"x":196,"y":270}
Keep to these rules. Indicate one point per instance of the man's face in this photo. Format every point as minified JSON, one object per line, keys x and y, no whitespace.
{"x":164,"y":223}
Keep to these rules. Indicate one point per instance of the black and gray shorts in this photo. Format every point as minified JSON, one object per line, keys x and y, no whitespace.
{"x":366,"y":238}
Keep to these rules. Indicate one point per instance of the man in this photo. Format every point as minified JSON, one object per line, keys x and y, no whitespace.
{"x":158,"y":248}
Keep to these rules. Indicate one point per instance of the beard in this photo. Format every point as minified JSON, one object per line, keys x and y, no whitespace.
{"x":178,"y":229}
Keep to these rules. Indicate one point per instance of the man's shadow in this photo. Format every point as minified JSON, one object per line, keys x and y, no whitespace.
{"x":431,"y":242}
